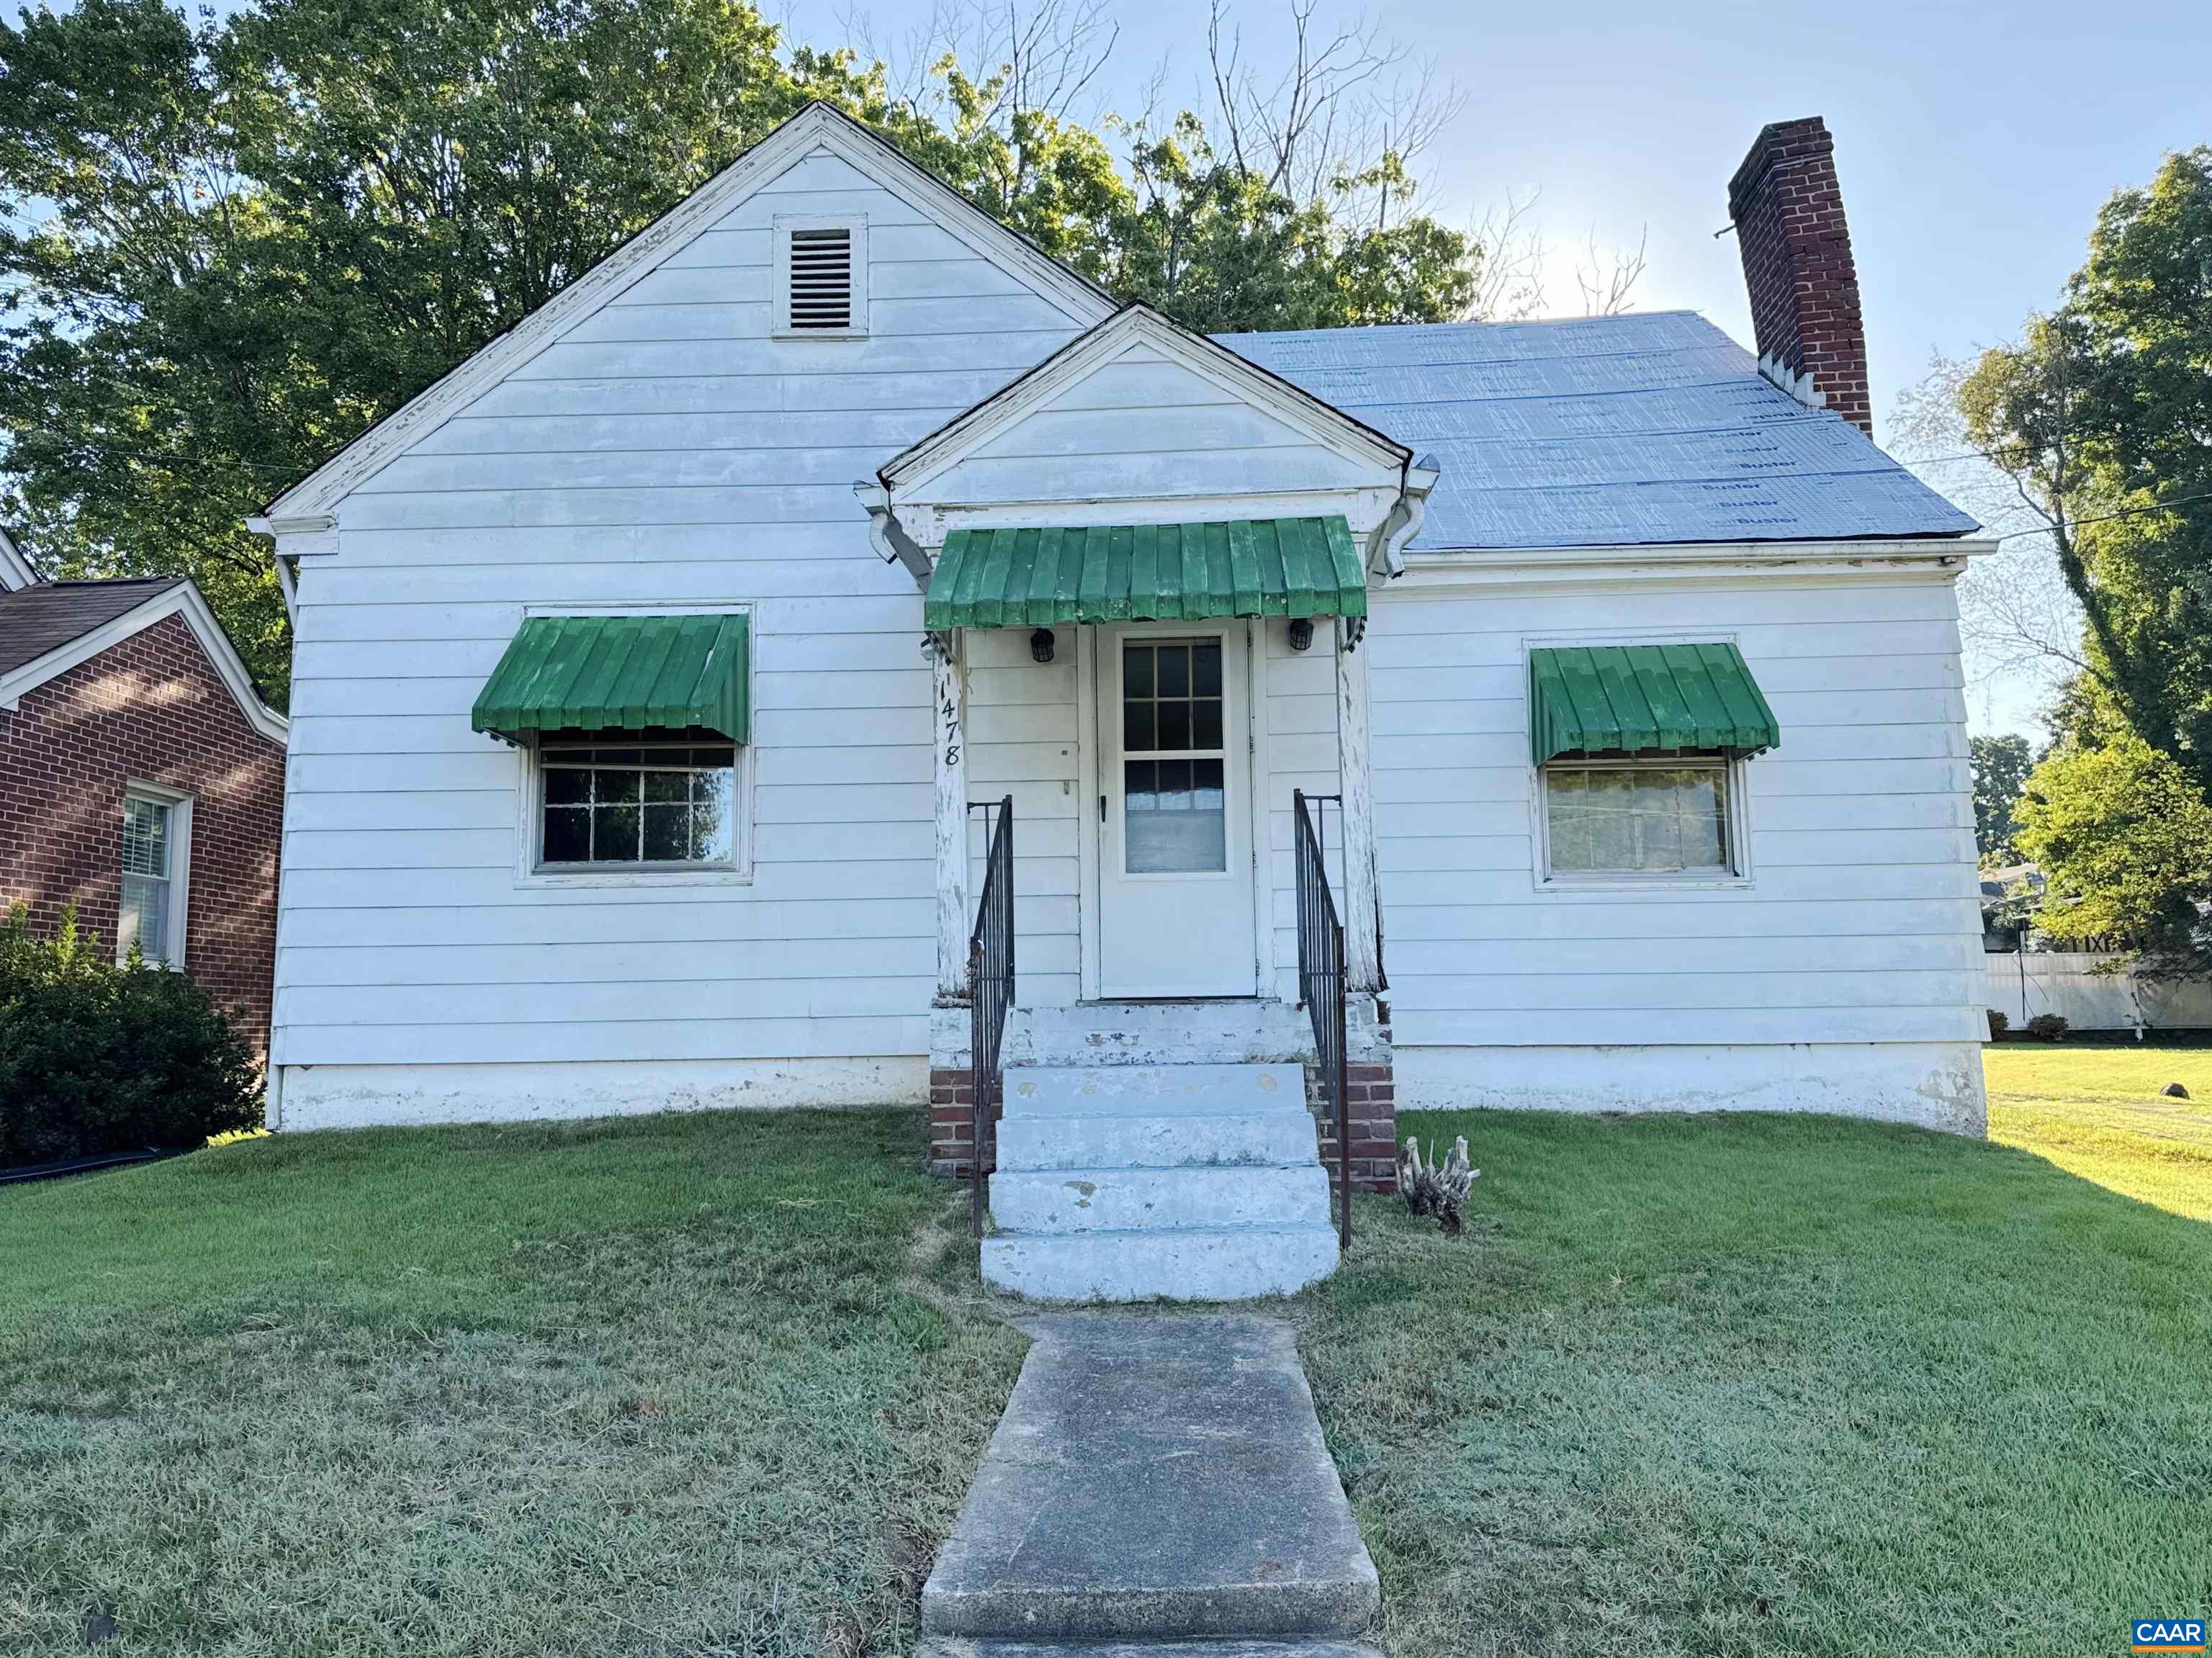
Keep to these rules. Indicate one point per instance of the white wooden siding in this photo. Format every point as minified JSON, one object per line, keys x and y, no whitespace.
{"x":1142,"y":427}
{"x":666,"y":451}
{"x":1861,"y":920}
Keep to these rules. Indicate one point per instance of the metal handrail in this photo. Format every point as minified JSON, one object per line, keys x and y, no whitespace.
{"x":1321,"y":992}
{"x":990,"y":996}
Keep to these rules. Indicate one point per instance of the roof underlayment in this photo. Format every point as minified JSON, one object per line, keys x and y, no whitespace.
{"x":1605,"y":431}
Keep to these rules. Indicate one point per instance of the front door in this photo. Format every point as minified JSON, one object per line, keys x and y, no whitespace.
{"x":1175,"y":854}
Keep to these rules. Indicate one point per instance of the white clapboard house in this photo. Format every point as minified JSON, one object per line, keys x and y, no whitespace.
{"x":681,"y":682}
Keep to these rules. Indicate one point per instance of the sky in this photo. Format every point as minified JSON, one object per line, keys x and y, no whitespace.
{"x":1974,"y":143}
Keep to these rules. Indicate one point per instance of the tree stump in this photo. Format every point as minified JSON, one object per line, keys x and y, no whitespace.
{"x":1439,"y":1189}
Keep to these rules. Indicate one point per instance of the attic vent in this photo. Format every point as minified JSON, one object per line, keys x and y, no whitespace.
{"x":822,"y":271}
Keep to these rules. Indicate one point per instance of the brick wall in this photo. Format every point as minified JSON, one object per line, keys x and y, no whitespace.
{"x":151,"y":709}
{"x":1797,"y":266}
{"x":1371,"y":1096}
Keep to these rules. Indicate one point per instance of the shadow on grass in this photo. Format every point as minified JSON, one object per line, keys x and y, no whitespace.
{"x":1759,"y":1384}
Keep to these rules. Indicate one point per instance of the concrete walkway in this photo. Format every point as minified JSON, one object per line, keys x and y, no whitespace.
{"x":1154,"y":1480}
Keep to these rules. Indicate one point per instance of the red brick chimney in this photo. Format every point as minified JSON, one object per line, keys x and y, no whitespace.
{"x":1789,"y":213}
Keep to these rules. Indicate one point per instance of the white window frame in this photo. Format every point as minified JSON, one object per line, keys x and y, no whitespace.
{"x":530,"y":784}
{"x":856,"y":224}
{"x":1736,"y":829}
{"x":181,"y":873}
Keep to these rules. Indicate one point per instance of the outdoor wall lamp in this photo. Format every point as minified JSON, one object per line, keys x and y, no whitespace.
{"x":1301,"y":634}
{"x":1040,"y":645}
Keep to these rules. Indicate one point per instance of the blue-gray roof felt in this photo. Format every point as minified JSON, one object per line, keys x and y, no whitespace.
{"x":1605,"y":431}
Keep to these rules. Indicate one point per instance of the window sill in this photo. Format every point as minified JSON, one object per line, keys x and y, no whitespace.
{"x":635,"y":877}
{"x":1658,"y":885}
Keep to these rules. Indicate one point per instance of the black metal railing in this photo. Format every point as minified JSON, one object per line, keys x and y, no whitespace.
{"x":1320,"y":992}
{"x":990,"y":994}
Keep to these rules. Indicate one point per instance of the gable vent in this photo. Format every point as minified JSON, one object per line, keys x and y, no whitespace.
{"x":820,"y":293}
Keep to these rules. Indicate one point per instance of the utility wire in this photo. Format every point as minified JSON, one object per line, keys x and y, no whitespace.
{"x":2106,"y":518}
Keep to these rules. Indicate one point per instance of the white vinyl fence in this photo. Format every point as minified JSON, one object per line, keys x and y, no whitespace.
{"x":2068,"y":983}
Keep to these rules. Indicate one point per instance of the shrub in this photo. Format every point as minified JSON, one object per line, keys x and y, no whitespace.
{"x":2046,"y":1027}
{"x":96,"y":1057}
{"x":1998,"y":1025}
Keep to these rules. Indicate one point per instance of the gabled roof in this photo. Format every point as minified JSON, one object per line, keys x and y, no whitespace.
{"x":15,"y":570}
{"x":1135,"y":325}
{"x":817,"y":127}
{"x":49,"y":628}
{"x":1645,"y":429}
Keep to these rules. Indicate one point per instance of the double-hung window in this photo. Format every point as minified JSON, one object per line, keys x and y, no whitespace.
{"x":157,"y":861}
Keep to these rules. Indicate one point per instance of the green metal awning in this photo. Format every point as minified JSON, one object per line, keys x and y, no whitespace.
{"x":620,"y":673}
{"x":1603,"y":699}
{"x":1299,"y":567}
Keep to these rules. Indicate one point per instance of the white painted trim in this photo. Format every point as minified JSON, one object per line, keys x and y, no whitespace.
{"x":908,"y":474}
{"x":15,"y":571}
{"x":1430,"y":571}
{"x":817,"y":128}
{"x":948,"y":702}
{"x":856,"y":226}
{"x":1355,"y":781}
{"x":1089,"y":894}
{"x":183,"y":599}
{"x":181,"y":870}
{"x":1261,"y":786}
{"x":1363,"y":510}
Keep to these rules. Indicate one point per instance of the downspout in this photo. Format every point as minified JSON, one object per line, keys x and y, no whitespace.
{"x":1415,"y":479}
{"x":888,"y":536}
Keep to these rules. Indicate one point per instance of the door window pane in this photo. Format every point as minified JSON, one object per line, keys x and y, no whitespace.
{"x":1654,"y":819}
{"x":1174,"y":816}
{"x":650,"y":805}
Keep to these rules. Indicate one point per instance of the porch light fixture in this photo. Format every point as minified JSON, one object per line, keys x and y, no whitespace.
{"x":1040,"y":645}
{"x":1301,"y":632}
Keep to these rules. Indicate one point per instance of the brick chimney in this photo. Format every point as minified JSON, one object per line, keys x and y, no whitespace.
{"x":1789,"y":213}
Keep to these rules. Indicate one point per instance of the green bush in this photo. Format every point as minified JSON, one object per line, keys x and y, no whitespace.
{"x":96,"y":1057}
{"x":1998,"y":1025}
{"x":2046,"y":1027}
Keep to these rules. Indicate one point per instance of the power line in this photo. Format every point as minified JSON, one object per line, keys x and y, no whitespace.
{"x":2106,"y":518}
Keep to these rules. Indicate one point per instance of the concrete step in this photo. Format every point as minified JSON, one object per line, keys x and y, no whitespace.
{"x":961,"y":1646}
{"x":1234,"y":1032}
{"x":1097,"y":1090}
{"x":1060,"y":1200}
{"x":1233,"y":1263}
{"x":1178,"y":1141}
{"x":1155,"y":1478}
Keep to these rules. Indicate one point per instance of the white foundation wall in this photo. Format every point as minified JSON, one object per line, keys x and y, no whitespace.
{"x":1844,"y":973}
{"x":666,"y":451}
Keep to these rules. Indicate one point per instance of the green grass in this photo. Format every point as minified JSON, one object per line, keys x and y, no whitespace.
{"x":706,"y":1384}
{"x":1765,"y":1385}
{"x":2097,"y":1112}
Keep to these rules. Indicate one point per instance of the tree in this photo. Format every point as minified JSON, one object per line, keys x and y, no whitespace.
{"x":230,"y":248}
{"x":2124,"y":836}
{"x":2101,"y":417}
{"x":2000,"y":765}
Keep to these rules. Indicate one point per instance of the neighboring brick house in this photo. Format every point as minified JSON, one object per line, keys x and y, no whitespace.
{"x":141,"y":778}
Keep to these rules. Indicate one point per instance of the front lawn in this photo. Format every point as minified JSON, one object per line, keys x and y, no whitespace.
{"x":2097,"y":1112}
{"x":706,"y":1384}
{"x":1767,"y":1385}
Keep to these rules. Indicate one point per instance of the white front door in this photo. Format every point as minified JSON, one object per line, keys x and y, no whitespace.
{"x":1174,"y":852}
